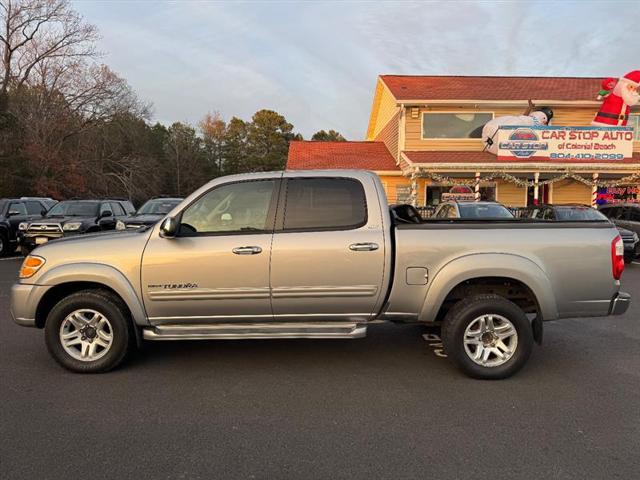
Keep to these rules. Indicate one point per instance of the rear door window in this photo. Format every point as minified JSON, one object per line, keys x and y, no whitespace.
{"x":324,"y":204}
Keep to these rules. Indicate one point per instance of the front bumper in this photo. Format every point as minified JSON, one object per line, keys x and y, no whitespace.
{"x":631,"y":251}
{"x":24,"y":302}
{"x":30,"y":239}
{"x":620,"y":303}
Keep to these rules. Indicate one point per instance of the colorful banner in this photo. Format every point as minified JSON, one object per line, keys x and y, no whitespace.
{"x":560,"y":144}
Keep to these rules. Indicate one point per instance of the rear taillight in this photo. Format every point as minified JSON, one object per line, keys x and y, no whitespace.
{"x":617,"y":257}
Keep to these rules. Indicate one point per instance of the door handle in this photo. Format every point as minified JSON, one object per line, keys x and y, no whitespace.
{"x":363,"y":247}
{"x":247,"y":250}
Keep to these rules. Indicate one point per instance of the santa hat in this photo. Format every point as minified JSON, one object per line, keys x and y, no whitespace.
{"x":633,"y":77}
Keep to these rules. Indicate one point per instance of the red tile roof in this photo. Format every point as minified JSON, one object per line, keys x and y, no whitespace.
{"x":417,"y":87}
{"x":485,"y":157}
{"x":307,"y":155}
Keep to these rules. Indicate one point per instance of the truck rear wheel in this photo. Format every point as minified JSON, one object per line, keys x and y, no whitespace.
{"x":487,"y":336}
{"x":88,"y":332}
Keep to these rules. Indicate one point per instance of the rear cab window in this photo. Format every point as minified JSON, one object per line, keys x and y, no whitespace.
{"x":324,"y":204}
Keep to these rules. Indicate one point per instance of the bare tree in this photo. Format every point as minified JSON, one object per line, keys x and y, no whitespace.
{"x":36,"y":31}
{"x":214,"y":132}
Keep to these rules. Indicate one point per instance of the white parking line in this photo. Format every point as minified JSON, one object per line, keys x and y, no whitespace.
{"x":636,"y":263}
{"x":9,"y":258}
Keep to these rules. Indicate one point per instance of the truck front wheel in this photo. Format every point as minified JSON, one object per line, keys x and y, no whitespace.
{"x":487,"y":336}
{"x":89,"y":332}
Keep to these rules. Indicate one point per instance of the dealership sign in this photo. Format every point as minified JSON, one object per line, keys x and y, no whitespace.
{"x":550,"y":143}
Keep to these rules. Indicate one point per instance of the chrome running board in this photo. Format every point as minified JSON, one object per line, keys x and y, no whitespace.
{"x":242,"y":331}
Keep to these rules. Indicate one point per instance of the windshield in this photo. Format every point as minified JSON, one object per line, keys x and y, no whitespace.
{"x":578,"y":214}
{"x":74,"y":209}
{"x":158,"y":207}
{"x":484,"y":211}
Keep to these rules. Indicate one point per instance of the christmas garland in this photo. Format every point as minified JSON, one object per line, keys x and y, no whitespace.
{"x":634,"y":178}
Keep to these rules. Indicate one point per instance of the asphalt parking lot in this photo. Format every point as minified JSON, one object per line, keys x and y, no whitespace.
{"x":387,"y":406}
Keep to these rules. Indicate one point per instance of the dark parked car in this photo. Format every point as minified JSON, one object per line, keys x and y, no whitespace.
{"x":150,"y":213}
{"x":75,"y":217}
{"x":581,"y":213}
{"x":16,"y":212}
{"x":471,"y":209}
{"x":625,"y":215}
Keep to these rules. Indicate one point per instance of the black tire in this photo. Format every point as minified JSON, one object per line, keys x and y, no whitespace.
{"x":108,"y":305}
{"x":5,"y":248}
{"x":466,"y":311}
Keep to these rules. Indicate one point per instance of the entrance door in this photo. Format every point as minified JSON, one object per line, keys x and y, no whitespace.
{"x":328,"y":257}
{"x":216,"y":269}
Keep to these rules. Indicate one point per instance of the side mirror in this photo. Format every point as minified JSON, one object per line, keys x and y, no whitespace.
{"x":169,"y":227}
{"x":43,"y":212}
{"x":106,"y":213}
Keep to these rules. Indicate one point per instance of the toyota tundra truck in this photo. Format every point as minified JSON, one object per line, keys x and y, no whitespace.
{"x":317,"y":254}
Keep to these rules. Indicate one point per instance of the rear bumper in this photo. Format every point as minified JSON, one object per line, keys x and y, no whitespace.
{"x":620,"y":303}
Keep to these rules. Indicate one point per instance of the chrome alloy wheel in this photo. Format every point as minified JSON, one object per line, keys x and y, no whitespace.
{"x":490,"y":340}
{"x":86,"y":335}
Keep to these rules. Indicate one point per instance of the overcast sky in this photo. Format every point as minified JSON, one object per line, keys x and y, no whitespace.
{"x":317,"y":62}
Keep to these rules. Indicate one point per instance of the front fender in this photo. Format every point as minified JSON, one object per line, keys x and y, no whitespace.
{"x":101,"y":274}
{"x":481,"y":265}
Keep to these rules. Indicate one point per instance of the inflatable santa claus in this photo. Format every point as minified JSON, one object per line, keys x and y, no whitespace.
{"x":619,"y":96}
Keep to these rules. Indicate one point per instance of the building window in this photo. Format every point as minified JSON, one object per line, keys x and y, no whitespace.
{"x":634,"y":121}
{"x":454,"y":125}
{"x":435,"y":191}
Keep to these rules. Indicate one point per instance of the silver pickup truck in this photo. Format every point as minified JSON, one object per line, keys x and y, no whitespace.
{"x":317,"y":254}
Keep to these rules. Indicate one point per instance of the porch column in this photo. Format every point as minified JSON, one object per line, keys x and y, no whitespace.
{"x":594,"y":191}
{"x":536,"y":178}
{"x":413,"y":198}
{"x":476,"y":187}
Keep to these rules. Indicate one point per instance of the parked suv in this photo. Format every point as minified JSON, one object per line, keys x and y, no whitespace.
{"x":582,"y":213}
{"x":74,"y":217}
{"x":150,"y":213}
{"x":13,"y":213}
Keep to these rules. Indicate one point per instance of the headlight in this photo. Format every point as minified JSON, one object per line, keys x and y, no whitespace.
{"x":120,"y":225}
{"x":71,"y":226}
{"x":635,"y":237}
{"x":31,"y":264}
{"x":23,"y":226}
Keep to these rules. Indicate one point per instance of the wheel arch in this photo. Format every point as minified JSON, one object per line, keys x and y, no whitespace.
{"x":68,"y":279}
{"x":484,"y":273}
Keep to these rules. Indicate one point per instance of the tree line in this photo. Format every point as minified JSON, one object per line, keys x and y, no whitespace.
{"x":71,"y":127}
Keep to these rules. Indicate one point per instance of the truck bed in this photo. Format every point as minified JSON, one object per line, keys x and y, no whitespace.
{"x":568,"y":270}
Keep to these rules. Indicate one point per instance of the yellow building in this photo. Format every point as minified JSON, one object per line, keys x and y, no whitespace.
{"x":430,"y":128}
